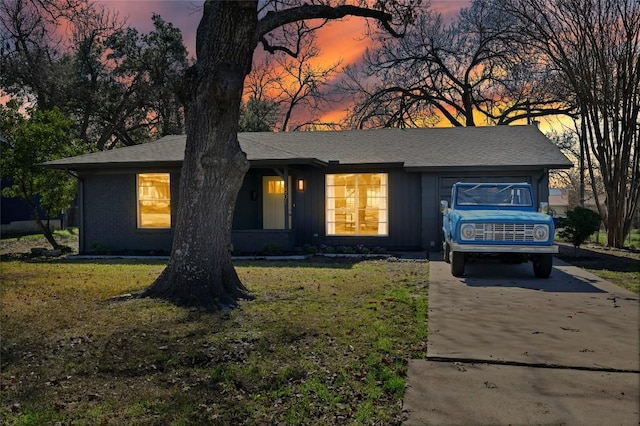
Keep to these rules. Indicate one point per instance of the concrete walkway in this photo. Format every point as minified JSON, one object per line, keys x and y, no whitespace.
{"x":506,"y":348}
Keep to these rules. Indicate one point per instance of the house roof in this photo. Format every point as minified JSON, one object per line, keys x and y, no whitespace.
{"x":415,"y":149}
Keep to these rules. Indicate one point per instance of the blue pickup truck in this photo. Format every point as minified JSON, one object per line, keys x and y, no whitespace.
{"x":497,"y":220}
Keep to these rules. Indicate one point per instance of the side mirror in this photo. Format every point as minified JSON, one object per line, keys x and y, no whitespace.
{"x":544,"y":208}
{"x":443,"y":206}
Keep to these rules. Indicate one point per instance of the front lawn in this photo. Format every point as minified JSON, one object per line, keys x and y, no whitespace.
{"x":618,"y":266}
{"x":323,"y":343}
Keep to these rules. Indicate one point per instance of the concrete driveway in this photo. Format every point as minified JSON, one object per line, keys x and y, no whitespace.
{"x":506,"y":348}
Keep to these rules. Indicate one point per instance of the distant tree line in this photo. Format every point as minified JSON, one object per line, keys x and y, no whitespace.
{"x":118,"y":86}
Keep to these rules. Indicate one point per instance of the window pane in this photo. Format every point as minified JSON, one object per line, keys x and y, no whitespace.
{"x":154,"y":200}
{"x":276,"y":187}
{"x":357,"y":204}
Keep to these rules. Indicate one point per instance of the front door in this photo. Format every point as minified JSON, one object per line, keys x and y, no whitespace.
{"x":273,"y":202}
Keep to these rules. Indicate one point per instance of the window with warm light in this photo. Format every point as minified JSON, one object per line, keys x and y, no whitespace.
{"x":357,"y":204}
{"x":154,"y":200}
{"x":276,"y":187}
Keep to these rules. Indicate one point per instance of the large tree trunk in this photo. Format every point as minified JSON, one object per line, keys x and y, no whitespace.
{"x":200,"y":272}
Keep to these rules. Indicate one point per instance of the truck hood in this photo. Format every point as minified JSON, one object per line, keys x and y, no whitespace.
{"x":502,"y":216}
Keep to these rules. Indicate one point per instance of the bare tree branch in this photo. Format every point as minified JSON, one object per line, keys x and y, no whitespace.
{"x":276,"y":19}
{"x":473,"y":65}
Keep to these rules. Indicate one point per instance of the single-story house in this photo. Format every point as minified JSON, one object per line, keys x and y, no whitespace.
{"x":559,"y":201}
{"x":376,"y":188}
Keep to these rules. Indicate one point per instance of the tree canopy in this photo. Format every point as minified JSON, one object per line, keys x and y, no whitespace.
{"x":31,"y":139}
{"x":119,"y":87}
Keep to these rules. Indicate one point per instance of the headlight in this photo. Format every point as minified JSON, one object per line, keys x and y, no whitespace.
{"x":541,"y":232}
{"x":468,"y":231}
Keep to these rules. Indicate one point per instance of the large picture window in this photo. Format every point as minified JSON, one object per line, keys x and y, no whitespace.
{"x":357,"y":204}
{"x":154,"y":200}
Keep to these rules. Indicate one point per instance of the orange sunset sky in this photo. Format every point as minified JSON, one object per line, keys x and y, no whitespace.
{"x":343,"y":40}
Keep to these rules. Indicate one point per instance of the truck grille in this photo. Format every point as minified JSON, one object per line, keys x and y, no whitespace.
{"x":512,"y":232}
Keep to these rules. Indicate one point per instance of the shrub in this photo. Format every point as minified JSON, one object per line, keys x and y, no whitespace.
{"x":361,"y":249}
{"x":326,"y":249}
{"x":345,"y":250}
{"x":310,"y":249}
{"x":271,"y":250}
{"x":98,"y":248}
{"x":579,"y":224}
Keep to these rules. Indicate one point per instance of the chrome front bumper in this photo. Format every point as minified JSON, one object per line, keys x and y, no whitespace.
{"x":520,"y":249}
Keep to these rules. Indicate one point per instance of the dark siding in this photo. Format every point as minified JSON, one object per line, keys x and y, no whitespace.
{"x":110,"y":215}
{"x":110,"y":222}
{"x":248,"y":210}
{"x":261,"y":240}
{"x":308,"y":207}
{"x":431,"y":220}
{"x":404,"y":212}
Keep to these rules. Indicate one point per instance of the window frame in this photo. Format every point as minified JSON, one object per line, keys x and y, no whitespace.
{"x":138,"y":213}
{"x":357,"y":232}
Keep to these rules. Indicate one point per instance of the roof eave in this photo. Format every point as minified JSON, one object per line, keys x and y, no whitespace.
{"x":175,"y":163}
{"x":482,"y":168}
{"x":271,"y":162}
{"x":357,"y":166}
{"x":114,"y":165}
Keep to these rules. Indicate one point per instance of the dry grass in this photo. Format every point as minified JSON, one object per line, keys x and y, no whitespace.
{"x":323,"y":343}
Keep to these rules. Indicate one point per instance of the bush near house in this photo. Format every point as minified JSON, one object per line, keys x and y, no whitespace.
{"x":579,"y":224}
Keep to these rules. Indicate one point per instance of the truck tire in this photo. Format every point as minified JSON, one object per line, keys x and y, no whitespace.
{"x":447,"y":258}
{"x":542,"y":265}
{"x":457,"y":264}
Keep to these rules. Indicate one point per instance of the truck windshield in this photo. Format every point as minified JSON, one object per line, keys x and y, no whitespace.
{"x":494,"y":195}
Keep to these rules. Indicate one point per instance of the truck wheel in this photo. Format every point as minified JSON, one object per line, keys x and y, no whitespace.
{"x":542,"y":265}
{"x":447,"y":258}
{"x":457,"y":264}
